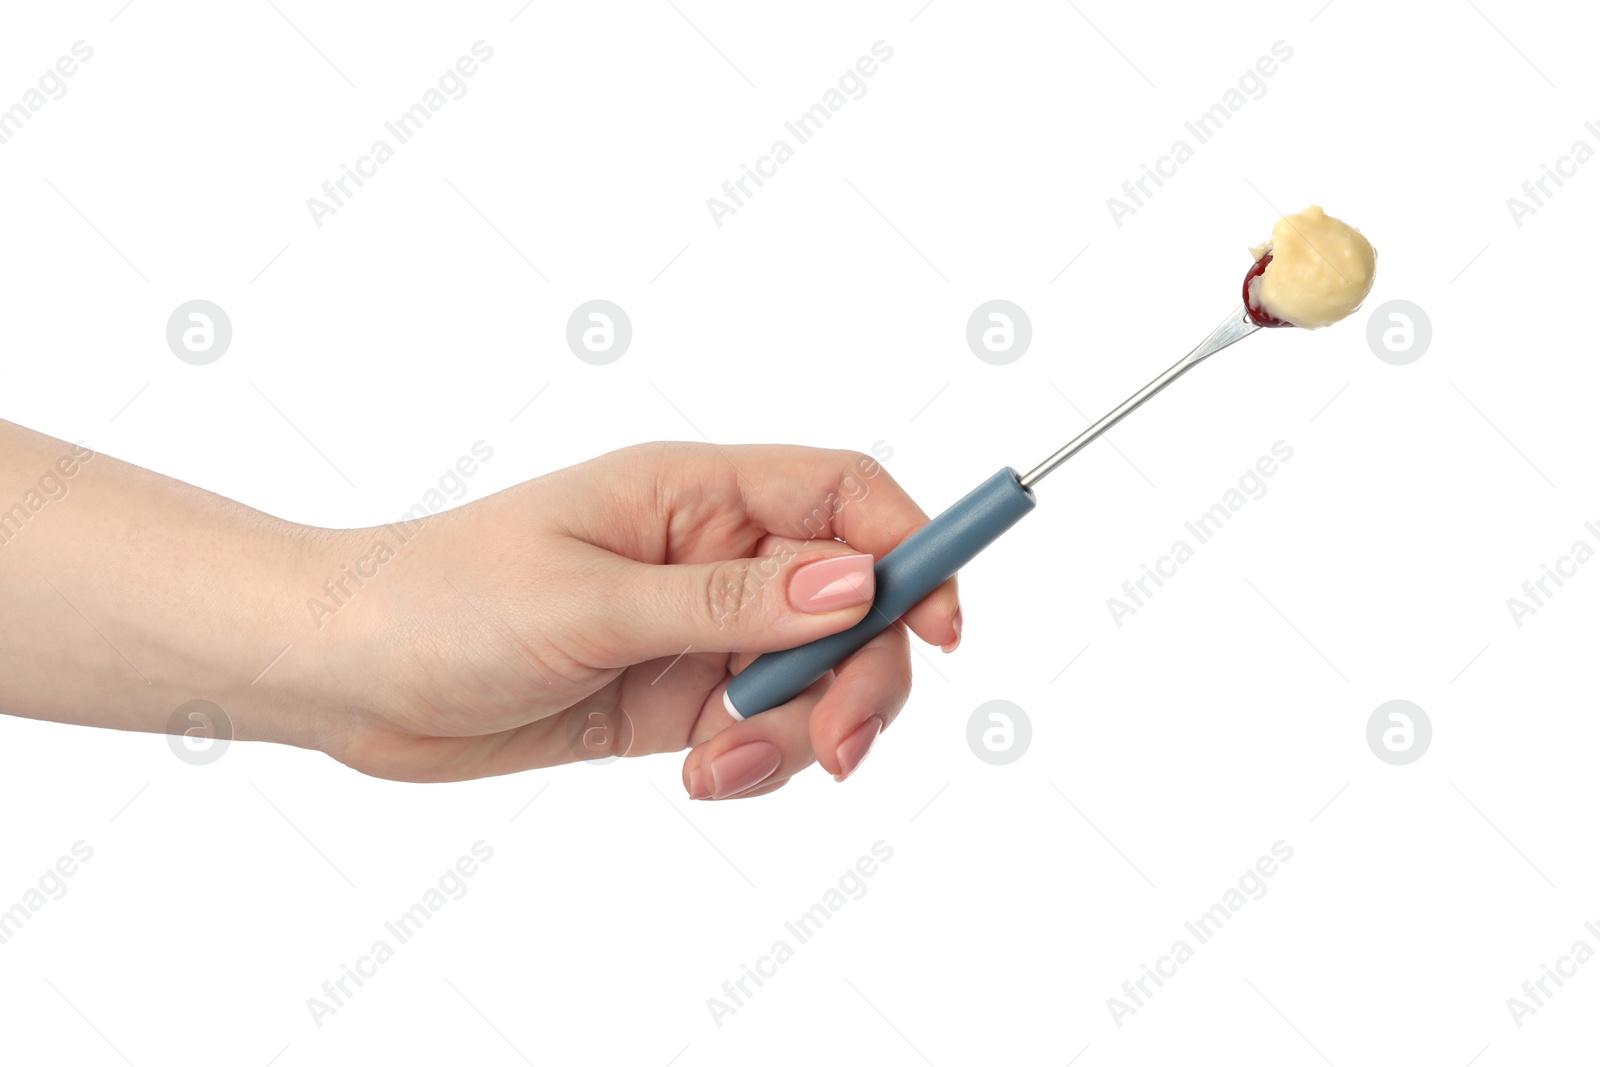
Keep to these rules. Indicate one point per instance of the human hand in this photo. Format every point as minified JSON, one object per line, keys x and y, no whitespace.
{"x":615,"y":599}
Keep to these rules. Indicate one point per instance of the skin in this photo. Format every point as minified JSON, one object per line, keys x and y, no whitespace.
{"x":492,"y":637}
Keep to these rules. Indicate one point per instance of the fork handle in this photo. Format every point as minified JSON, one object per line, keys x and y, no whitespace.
{"x":918,"y":566}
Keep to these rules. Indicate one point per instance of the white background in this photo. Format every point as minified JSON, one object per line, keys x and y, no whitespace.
{"x":1226,"y":715}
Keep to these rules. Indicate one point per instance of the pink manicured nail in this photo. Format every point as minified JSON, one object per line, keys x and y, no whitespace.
{"x":697,"y":784}
{"x":743,"y":768}
{"x":853,"y":749}
{"x":955,"y":624}
{"x":831,"y":584}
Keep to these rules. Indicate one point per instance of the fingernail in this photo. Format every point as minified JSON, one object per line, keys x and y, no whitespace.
{"x":853,"y":749}
{"x":743,"y":768}
{"x":831,"y":584}
{"x":955,"y":624}
{"x":697,"y":783}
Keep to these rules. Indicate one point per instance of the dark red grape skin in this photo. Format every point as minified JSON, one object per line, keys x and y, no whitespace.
{"x":1258,"y":314}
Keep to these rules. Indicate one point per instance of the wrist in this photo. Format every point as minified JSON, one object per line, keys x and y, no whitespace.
{"x":238,"y":638}
{"x":288,"y":661}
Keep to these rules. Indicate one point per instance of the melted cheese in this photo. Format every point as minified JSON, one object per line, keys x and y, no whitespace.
{"x":1320,"y":272}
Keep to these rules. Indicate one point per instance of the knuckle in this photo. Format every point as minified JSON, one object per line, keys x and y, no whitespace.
{"x":857,"y":462}
{"x":894,"y":656}
{"x":731,"y":591}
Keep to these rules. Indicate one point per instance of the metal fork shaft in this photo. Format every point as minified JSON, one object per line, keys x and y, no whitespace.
{"x":1235,"y":327}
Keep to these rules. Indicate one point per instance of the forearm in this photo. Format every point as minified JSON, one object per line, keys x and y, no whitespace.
{"x":127,"y":594}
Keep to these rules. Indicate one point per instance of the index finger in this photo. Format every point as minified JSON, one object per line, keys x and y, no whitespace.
{"x":810,"y":493}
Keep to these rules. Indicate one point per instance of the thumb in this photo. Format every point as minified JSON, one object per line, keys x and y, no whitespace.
{"x":739,"y":605}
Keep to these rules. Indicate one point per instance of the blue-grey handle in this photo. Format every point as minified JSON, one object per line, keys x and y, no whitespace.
{"x":916,"y":568}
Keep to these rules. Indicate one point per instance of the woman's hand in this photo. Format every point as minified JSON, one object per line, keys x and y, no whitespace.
{"x":603,"y":608}
{"x":598,"y":610}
